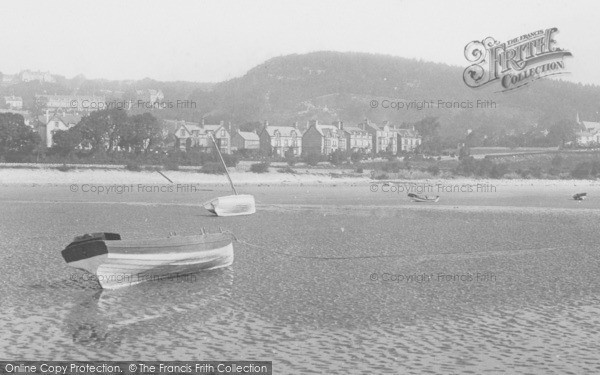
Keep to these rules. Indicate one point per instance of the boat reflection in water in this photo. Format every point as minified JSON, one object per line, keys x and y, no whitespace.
{"x":107,"y":318}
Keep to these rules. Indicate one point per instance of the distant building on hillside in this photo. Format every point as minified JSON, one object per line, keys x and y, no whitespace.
{"x":50,"y":123}
{"x":384,"y":137}
{"x":197,"y":135}
{"x":150,"y":96}
{"x":276,"y":140}
{"x":408,"y":140}
{"x":358,"y":140}
{"x":72,"y":102}
{"x":9,"y":79}
{"x":13,"y":102}
{"x":29,"y":76}
{"x":324,"y":139}
{"x":589,"y":135}
{"x":245,"y":141}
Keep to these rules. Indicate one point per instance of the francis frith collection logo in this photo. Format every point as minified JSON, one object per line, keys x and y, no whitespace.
{"x":514,"y":63}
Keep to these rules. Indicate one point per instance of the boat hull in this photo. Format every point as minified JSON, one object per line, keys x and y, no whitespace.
{"x":120,"y":263}
{"x":232,"y":205}
{"x":423,"y":198}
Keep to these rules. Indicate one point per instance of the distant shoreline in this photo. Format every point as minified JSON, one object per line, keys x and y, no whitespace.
{"x":43,"y":174}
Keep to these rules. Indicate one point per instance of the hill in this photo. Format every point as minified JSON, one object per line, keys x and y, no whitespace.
{"x":333,"y":85}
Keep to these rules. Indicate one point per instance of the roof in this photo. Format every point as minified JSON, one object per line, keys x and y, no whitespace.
{"x":328,"y":130}
{"x":285,"y":131}
{"x":149,"y":91}
{"x":249,"y":136}
{"x":371,"y":126}
{"x":193,"y":127}
{"x":66,"y":119}
{"x":66,"y":97}
{"x":189,"y":126}
{"x":212,"y":128}
{"x":590,"y":125}
{"x":584,"y":134}
{"x":354,"y":129}
{"x":408,"y":133}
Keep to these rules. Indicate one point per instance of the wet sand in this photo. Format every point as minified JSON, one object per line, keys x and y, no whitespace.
{"x":327,"y":279}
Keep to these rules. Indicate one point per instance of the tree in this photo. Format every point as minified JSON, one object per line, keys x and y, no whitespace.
{"x":38,"y":105}
{"x":562,"y":132}
{"x":428,"y":128}
{"x":101,"y":129}
{"x":17,"y":140}
{"x":139,"y":133}
{"x":356,"y":157}
{"x":65,"y":141}
{"x":290,"y":158}
{"x":251,"y":126}
{"x":312,"y":158}
{"x":337,"y":157}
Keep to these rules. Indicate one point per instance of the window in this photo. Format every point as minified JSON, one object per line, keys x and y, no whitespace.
{"x":182,"y":133}
{"x":223,"y":133}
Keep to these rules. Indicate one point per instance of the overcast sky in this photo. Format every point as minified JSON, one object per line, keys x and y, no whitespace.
{"x":210,"y":41}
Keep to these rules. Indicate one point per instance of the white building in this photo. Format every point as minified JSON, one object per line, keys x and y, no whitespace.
{"x":49,"y":124}
{"x":590,"y":133}
{"x":14,"y":102}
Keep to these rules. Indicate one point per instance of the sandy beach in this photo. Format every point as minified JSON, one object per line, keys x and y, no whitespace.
{"x":330,"y":275}
{"x":51,"y":176}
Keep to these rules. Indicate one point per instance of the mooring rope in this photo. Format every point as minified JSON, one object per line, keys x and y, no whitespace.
{"x":372,"y":256}
{"x":318,"y":257}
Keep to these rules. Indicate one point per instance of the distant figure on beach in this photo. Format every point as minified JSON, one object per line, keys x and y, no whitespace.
{"x":579,"y":196}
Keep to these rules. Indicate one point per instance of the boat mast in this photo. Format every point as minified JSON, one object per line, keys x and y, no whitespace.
{"x":223,"y":161}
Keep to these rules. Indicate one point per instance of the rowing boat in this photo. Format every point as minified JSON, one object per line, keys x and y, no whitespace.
{"x":423,"y":198}
{"x":232,"y":205}
{"x":118,"y":263}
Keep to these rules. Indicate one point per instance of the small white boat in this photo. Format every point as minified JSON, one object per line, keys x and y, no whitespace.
{"x":232,"y":205}
{"x":118,"y":263}
{"x":423,"y":198}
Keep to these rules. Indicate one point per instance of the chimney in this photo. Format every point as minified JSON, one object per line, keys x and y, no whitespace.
{"x":202,"y":123}
{"x":47,"y":115}
{"x":339,"y":125}
{"x":266,"y":123}
{"x":295,"y":124}
{"x":222,"y":123}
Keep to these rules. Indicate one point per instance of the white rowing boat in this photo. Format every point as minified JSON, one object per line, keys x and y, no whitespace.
{"x":118,"y":263}
{"x":423,"y":198}
{"x":232,"y":205}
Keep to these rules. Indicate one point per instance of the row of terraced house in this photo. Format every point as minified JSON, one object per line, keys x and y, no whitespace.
{"x":366,"y":137}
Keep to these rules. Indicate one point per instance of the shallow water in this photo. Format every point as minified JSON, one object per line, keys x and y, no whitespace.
{"x":335,"y":285}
